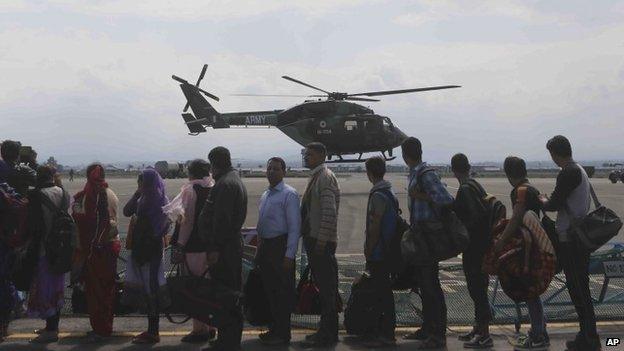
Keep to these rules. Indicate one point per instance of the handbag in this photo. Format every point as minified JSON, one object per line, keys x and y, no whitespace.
{"x":308,"y":296}
{"x":597,"y":227}
{"x":361,"y":316}
{"x":256,"y":308}
{"x":201,"y":298}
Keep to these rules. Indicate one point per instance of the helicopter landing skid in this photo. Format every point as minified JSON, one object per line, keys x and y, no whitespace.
{"x":356,"y":160}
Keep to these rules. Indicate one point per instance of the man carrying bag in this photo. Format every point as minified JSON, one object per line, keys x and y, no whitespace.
{"x":572,"y":199}
{"x":427,"y":195}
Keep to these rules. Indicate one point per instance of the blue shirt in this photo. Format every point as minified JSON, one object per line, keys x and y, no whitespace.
{"x":280,"y":214}
{"x":431,"y":185}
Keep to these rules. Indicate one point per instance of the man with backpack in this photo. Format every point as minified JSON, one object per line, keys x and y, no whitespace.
{"x":571,"y":198}
{"x":472,"y":210}
{"x":427,"y":197}
{"x":381,"y":222}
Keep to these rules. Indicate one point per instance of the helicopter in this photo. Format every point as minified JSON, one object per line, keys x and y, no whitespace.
{"x":344,"y":127}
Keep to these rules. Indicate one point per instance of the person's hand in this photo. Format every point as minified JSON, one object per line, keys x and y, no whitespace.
{"x":213,"y":258}
{"x":288,"y":265}
{"x":543,"y":198}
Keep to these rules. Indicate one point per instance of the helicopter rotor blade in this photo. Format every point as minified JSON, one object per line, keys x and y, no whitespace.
{"x":304,"y":84}
{"x":201,"y":75}
{"x":403,"y":91}
{"x":208,"y":94}
{"x":360,"y":99}
{"x":176,"y":78}
{"x":269,"y":95}
{"x":186,"y":107}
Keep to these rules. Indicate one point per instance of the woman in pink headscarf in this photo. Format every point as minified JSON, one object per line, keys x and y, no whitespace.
{"x":188,"y":247}
{"x":95,"y":213}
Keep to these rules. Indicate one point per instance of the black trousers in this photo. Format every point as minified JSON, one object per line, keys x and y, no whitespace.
{"x":477,"y":282}
{"x":228,"y":271}
{"x":324,"y":269}
{"x":380,"y":279}
{"x":575,"y":263}
{"x":433,"y":301}
{"x":279,"y":285}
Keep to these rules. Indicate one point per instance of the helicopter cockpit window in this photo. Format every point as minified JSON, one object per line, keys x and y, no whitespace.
{"x":350,"y":125}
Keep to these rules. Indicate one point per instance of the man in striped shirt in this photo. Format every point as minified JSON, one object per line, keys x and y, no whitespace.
{"x":319,"y":222}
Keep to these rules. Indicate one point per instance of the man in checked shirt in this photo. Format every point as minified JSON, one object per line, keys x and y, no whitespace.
{"x":426,"y":195}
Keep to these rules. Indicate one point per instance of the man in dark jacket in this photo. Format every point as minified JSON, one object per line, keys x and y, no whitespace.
{"x":21,"y":176}
{"x":220,"y":224}
{"x":472,"y":212}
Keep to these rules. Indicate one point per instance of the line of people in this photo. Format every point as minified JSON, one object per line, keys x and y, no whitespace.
{"x":207,"y":217}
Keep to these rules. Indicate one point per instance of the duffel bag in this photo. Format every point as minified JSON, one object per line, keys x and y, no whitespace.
{"x":201,"y":298}
{"x":597,"y":227}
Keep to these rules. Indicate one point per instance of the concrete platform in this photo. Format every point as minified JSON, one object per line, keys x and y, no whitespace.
{"x":73,"y":330}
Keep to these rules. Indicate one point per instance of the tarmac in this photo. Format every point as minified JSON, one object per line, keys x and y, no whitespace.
{"x":73,"y":331}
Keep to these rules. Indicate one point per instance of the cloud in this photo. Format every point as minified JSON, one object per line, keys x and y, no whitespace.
{"x":433,"y":11}
{"x":188,"y":10}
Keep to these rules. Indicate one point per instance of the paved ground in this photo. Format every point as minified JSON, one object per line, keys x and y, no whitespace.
{"x":355,"y":190}
{"x":74,"y":329}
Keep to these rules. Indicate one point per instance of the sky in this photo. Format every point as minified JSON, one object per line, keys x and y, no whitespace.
{"x":90,"y":80}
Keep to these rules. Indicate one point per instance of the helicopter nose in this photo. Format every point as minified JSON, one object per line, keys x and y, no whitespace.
{"x":399,"y":136}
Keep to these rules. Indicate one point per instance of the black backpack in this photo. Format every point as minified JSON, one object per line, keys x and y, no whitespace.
{"x":392,"y":248}
{"x":60,"y":242}
{"x":493,"y":209}
{"x":362,"y":313}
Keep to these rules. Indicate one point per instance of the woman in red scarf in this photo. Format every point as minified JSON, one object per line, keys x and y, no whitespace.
{"x":95,"y":213}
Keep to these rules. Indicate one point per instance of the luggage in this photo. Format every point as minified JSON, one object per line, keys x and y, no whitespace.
{"x":434,"y":241}
{"x":308,"y":300}
{"x":201,"y":298}
{"x":60,"y":242}
{"x":597,"y":227}
{"x":256,"y":308}
{"x":362,"y":314}
{"x":526,"y":264}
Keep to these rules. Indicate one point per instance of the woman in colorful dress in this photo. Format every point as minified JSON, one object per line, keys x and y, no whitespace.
{"x":46,"y":296}
{"x":144,"y":272}
{"x":95,"y":213}
{"x":188,"y":247}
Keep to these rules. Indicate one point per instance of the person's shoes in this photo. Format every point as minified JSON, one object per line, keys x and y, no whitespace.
{"x":274,"y":340}
{"x":39,"y":331}
{"x":45,"y":337}
{"x":199,"y":338}
{"x":380,"y":342}
{"x":146,"y":338}
{"x":529,"y":343}
{"x":420,"y":334}
{"x":94,"y":338}
{"x":479,"y":342}
{"x":311,"y":336}
{"x":432,"y":343}
{"x":576,"y":345}
{"x":319,"y":340}
{"x":468,"y":336}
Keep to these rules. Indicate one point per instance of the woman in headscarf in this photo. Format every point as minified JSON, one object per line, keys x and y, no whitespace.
{"x":145,"y":271}
{"x":188,"y":246}
{"x":46,"y":295}
{"x":95,"y":213}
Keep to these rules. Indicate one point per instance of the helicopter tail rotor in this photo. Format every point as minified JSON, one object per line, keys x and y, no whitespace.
{"x":196,"y":86}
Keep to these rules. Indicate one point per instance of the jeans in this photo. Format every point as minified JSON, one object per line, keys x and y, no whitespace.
{"x":575,"y":263}
{"x":433,"y":301}
{"x":477,"y":282}
{"x":324,"y":268}
{"x":380,"y":279}
{"x":538,"y":320}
